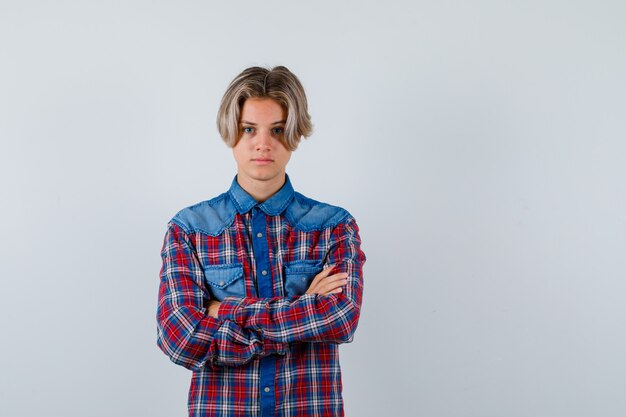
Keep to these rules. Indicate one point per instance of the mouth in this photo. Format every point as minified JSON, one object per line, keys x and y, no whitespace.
{"x":262,"y":161}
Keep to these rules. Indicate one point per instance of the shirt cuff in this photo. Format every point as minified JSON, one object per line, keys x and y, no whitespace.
{"x":228,"y":308}
{"x":276,"y":348}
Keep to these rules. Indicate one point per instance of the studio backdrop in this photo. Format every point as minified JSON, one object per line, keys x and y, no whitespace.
{"x":480,"y":145}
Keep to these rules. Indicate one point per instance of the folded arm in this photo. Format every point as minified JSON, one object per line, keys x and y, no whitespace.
{"x":310,"y":317}
{"x":185,"y":332}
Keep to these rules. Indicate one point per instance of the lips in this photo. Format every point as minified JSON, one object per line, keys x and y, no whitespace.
{"x":262,"y":161}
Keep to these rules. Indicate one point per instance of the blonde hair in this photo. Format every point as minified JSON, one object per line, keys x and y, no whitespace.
{"x":276,"y":83}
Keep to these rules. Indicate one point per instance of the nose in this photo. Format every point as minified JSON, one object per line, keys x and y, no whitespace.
{"x":264,"y":140}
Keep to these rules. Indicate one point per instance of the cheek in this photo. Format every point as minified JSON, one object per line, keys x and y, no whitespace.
{"x":238,"y":153}
{"x":285,"y":156}
{"x":282,"y":151}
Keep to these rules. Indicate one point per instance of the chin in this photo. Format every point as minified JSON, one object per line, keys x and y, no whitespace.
{"x":264,"y":175}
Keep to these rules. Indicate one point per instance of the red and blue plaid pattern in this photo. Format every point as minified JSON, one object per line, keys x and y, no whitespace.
{"x":295,"y":336}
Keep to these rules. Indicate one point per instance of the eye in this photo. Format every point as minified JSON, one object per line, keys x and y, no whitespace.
{"x":278,"y":131}
{"x":247,"y":129}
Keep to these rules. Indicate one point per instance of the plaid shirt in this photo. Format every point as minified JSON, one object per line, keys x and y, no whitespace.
{"x":273,"y":350}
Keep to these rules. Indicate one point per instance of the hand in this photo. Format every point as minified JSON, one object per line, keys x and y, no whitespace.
{"x":213,"y":308}
{"x":325,"y":284}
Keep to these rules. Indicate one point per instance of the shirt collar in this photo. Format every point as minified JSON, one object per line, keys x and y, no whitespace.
{"x":273,"y":206}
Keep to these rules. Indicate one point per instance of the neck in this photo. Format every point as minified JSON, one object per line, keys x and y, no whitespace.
{"x":261,"y":190}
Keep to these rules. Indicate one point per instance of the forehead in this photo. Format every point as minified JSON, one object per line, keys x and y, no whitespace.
{"x":262,"y":110}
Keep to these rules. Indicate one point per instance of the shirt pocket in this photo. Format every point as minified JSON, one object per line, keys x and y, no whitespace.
{"x":225,"y":281}
{"x":298,"y":276}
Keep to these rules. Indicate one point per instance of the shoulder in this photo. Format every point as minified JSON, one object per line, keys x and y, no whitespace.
{"x":307,"y":214}
{"x":210,"y":217}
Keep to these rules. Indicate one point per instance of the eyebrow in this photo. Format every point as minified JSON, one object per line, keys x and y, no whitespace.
{"x":281,"y":122}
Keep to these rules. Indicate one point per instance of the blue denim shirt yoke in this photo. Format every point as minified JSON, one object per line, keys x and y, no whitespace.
{"x":213,"y":216}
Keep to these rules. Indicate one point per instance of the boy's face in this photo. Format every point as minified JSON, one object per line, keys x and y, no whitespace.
{"x":259,"y":152}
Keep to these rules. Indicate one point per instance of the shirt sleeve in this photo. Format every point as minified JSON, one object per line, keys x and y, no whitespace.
{"x":185,"y":333}
{"x":310,"y":317}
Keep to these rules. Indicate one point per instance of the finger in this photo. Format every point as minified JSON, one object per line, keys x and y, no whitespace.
{"x":321,"y":275}
{"x":326,"y":271}
{"x":335,"y":277}
{"x":332,"y":285}
{"x":335,"y":291}
{"x":330,"y":282}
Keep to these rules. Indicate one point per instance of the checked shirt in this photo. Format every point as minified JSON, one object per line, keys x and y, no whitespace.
{"x":273,"y":350}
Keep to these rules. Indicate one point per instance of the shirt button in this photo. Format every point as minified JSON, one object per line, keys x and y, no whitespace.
{"x":266,"y":389}
{"x":264,"y":272}
{"x":222,"y":283}
{"x":259,"y":234}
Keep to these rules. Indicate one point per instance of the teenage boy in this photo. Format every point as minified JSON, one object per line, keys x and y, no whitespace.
{"x":260,"y":284}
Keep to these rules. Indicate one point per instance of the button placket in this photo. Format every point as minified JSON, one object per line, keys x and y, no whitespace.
{"x":265,"y":290}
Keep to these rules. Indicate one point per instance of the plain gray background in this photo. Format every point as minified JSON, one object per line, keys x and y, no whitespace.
{"x":479,"y":144}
